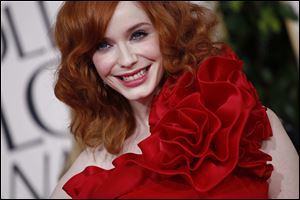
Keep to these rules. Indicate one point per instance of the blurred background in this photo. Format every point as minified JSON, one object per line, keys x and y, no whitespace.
{"x":265,"y":35}
{"x":35,"y":142}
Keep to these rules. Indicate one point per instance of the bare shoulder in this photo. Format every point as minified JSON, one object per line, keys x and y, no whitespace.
{"x":86,"y":158}
{"x":284,"y":182}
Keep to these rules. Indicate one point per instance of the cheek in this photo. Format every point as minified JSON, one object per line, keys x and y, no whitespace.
{"x":103,"y":65}
{"x":151,"y":49}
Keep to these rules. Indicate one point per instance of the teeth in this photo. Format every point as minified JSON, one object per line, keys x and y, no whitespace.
{"x":135,"y":76}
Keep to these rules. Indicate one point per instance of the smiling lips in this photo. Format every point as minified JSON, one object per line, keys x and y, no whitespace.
{"x":135,"y":78}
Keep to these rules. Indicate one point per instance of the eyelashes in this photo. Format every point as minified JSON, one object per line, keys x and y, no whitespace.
{"x":135,"y":36}
{"x":103,"y":45}
{"x":138,"y":35}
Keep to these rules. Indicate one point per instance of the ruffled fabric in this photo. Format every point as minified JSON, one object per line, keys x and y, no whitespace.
{"x":206,"y":132}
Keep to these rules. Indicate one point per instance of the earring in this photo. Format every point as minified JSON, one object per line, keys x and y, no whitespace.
{"x":105,"y":84}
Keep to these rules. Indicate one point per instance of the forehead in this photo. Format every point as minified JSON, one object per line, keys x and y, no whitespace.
{"x":127,"y":14}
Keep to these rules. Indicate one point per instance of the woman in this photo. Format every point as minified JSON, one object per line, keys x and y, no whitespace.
{"x":162,"y":110}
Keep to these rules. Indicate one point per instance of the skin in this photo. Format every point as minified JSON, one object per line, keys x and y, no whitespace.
{"x":125,"y":50}
{"x":129,"y":45}
{"x":283,"y":184}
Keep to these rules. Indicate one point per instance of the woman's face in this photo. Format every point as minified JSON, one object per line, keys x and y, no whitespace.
{"x":129,"y":58}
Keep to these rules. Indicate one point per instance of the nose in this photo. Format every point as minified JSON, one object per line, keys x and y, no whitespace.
{"x":126,"y":57}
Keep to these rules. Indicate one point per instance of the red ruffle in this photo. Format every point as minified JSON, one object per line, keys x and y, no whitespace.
{"x":206,"y":132}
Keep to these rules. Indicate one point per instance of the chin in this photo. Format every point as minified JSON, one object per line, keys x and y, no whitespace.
{"x":137,"y":96}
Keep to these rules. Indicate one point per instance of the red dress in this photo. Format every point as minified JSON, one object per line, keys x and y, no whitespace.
{"x":206,"y":132}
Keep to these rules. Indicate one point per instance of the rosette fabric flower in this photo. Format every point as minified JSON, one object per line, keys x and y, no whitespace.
{"x":206,"y":131}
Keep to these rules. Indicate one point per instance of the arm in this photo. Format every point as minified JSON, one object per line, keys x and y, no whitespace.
{"x":284,"y":182}
{"x":75,"y":168}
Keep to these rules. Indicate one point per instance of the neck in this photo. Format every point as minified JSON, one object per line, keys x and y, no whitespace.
{"x":141,"y":111}
{"x":141,"y":108}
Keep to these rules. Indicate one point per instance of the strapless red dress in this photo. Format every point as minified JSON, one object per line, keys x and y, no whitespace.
{"x":206,"y":133}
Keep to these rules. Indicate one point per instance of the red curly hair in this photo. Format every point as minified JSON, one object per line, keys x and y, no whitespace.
{"x":100,"y":115}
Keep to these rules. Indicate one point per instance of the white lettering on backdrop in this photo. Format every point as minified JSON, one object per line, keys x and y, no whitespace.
{"x":34,"y":124}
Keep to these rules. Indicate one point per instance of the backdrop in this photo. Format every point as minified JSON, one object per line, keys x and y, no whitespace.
{"x":34,"y":124}
{"x":35,"y":140}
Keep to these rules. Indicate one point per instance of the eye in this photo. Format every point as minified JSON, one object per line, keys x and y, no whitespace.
{"x":138,"y":35}
{"x":103,"y":45}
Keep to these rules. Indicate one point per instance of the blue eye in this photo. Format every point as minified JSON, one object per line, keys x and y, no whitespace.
{"x":138,"y":35}
{"x":103,"y":45}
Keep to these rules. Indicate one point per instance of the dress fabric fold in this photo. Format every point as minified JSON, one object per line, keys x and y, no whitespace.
{"x":206,"y":133}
